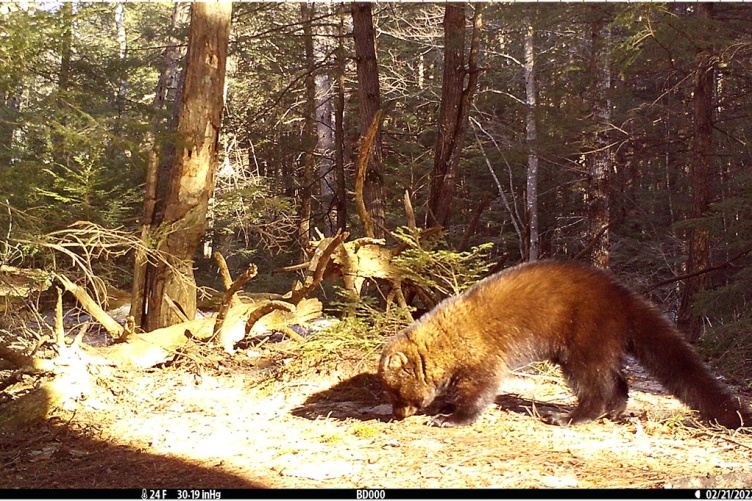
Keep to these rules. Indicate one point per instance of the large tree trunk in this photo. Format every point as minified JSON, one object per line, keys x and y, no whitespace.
{"x":600,"y":159}
{"x":172,"y":296}
{"x":531,"y":133}
{"x":454,"y":111}
{"x":700,"y":175}
{"x":369,"y":98}
{"x":167,"y":80}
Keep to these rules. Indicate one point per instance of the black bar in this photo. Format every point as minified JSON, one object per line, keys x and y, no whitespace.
{"x":359,"y":494}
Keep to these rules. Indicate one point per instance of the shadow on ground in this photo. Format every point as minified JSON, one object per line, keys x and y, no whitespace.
{"x":526,"y":407}
{"x":57,"y":457}
{"x":358,"y":397}
{"x":361,"y":397}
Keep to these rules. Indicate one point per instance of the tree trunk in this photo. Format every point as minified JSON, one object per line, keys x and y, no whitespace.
{"x":454,"y":111}
{"x":122,"y":53}
{"x":600,"y":159}
{"x":532,"y":139}
{"x":173,"y":292}
{"x":60,"y":150}
{"x":339,"y":128}
{"x":181,"y":15}
{"x":369,"y":98}
{"x":66,"y":46}
{"x":309,"y":132}
{"x":325,"y":130}
{"x":167,"y":79}
{"x":700,"y":175}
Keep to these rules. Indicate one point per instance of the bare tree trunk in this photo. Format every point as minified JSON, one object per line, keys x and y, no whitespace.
{"x":454,"y":111}
{"x":369,"y":95}
{"x":173,"y":295}
{"x":339,"y":128}
{"x":532,"y":139}
{"x":600,"y":159}
{"x":180,"y":17}
{"x":167,"y":79}
{"x":325,"y":130}
{"x":700,"y":176}
{"x":309,"y":132}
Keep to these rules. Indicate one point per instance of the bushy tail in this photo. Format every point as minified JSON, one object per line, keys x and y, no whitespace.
{"x":661,"y":349}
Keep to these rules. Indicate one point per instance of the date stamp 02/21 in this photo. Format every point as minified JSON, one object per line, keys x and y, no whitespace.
{"x":182,"y":494}
{"x":723,"y":494}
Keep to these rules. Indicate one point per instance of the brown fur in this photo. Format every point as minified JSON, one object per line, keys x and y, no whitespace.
{"x":574,"y":315}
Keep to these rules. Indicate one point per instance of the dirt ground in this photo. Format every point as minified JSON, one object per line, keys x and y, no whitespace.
{"x":244,"y":421}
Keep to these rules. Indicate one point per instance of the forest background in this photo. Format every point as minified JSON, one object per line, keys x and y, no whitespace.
{"x":615,"y":133}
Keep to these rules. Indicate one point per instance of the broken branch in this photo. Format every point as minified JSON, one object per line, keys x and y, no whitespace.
{"x":87,"y":303}
{"x":230,"y":294}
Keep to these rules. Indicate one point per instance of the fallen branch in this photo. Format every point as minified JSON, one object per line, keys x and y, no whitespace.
{"x":223,"y":270}
{"x":593,"y":241}
{"x":679,"y":278}
{"x":233,"y":288}
{"x":265,"y":309}
{"x":87,"y":303}
{"x":319,"y":262}
{"x":292,"y":334}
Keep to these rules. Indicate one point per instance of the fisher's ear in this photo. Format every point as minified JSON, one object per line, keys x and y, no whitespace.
{"x":396,"y":361}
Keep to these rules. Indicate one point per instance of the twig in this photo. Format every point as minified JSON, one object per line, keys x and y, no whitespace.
{"x":230,"y":294}
{"x":294,"y":267}
{"x":59,"y":330}
{"x":292,"y":334}
{"x":679,"y":278}
{"x":177,"y":309}
{"x":592,"y":242}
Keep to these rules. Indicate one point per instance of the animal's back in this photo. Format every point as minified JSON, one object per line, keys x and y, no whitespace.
{"x":538,"y":310}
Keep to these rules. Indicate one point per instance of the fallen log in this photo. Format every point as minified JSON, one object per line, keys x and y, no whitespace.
{"x":160,"y":345}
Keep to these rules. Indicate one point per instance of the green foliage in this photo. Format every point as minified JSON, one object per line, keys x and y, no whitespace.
{"x":441,"y":272}
{"x":364,"y":315}
{"x":89,"y":191}
{"x":362,"y":332}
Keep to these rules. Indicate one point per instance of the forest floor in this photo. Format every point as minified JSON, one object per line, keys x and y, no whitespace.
{"x":249,"y":420}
